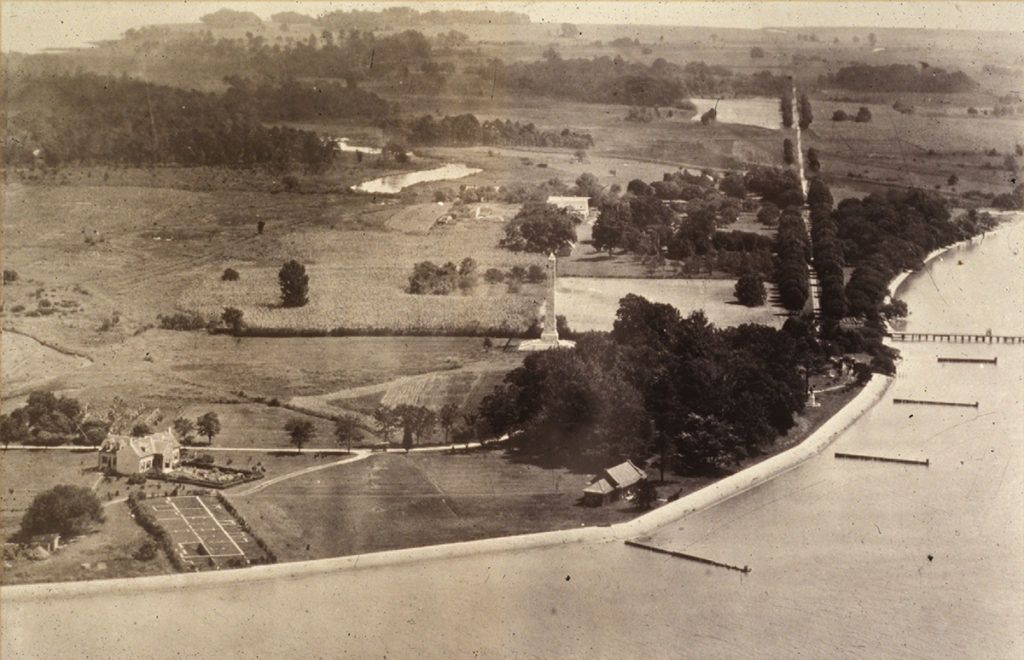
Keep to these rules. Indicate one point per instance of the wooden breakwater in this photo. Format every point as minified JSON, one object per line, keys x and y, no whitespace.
{"x":923,"y":402}
{"x":883,"y":459}
{"x":683,"y":555}
{"x":959,"y":360}
{"x":957,"y":338}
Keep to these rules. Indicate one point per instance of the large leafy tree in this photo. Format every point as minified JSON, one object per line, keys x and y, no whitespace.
{"x":294,"y":284}
{"x":346,"y":429}
{"x":208,"y":425}
{"x":300,"y":432}
{"x":539,"y":227}
{"x":67,"y":510}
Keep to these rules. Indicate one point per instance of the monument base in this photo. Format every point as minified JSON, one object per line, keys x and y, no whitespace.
{"x":544,"y":344}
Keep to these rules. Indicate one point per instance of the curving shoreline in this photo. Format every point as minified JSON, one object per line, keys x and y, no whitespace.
{"x":704,"y":498}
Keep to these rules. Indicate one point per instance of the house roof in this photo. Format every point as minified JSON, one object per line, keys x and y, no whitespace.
{"x":162,"y":442}
{"x":624,"y":475}
{"x":599,"y":487}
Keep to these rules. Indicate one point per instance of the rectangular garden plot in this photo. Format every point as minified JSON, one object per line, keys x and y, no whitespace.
{"x":205,"y":534}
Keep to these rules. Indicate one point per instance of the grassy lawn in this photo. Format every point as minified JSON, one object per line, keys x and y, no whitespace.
{"x":590,"y":304}
{"x":396,"y":501}
{"x":257,"y":425}
{"x":105,"y":553}
{"x":26,"y":473}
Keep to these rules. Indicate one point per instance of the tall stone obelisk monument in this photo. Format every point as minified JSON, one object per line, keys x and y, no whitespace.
{"x":550,"y":333}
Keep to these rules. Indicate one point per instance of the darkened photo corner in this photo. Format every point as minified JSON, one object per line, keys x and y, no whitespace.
{"x":511,"y":329}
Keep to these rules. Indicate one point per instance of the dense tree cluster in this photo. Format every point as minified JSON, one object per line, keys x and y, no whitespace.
{"x":467,"y":130}
{"x":704,"y":397}
{"x":291,"y":100}
{"x":87,"y":118}
{"x":616,"y":80}
{"x":792,"y":250}
{"x":780,"y":187}
{"x":884,"y":234}
{"x":681,"y":217}
{"x":346,"y":53}
{"x":47,"y":419}
{"x":900,"y":78}
{"x":540,"y":227}
{"x":429,"y":278}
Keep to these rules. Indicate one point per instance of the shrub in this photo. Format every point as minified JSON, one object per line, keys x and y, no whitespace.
{"x":536,"y":273}
{"x":137,"y":479}
{"x":146,"y":551}
{"x":230,"y":275}
{"x":182,"y":321}
{"x":494,"y":276}
{"x":10,"y":276}
{"x":840,"y":115}
{"x":294,"y":284}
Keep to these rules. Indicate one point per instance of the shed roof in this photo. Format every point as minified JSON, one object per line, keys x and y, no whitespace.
{"x":599,"y":487}
{"x":625,"y":474}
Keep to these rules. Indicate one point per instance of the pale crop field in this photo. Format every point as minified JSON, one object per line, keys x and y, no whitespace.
{"x":358,"y":281}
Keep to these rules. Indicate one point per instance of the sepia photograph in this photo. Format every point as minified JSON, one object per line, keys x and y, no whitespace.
{"x":626,"y":329}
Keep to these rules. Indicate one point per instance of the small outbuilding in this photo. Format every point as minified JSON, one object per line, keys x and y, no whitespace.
{"x":48,"y":542}
{"x":613,"y":483}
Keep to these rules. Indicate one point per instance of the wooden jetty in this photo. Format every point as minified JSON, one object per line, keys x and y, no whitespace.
{"x":883,"y":459}
{"x":924,"y":402}
{"x":960,"y":360}
{"x":957,"y":337}
{"x":683,"y":555}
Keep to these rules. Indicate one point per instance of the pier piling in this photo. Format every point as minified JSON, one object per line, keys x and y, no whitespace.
{"x":883,"y":459}
{"x":936,"y":403}
{"x":683,"y":555}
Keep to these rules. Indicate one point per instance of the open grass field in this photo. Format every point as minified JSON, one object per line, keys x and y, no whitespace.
{"x":257,"y":425}
{"x":205,"y":534}
{"x":590,"y":304}
{"x":172,"y":370}
{"x":26,"y":473}
{"x":396,"y":500}
{"x":103,"y":554}
{"x":358,"y":278}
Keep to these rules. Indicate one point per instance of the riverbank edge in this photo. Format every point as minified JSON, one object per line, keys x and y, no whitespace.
{"x":710,"y":495}
{"x":706,"y":497}
{"x":897,"y":283}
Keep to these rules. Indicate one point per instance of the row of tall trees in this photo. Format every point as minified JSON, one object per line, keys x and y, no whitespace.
{"x":828,"y":253}
{"x":792,"y":250}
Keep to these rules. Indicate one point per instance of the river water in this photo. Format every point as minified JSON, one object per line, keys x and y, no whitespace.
{"x":876,"y":559}
{"x":396,"y":182}
{"x":755,"y":111}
